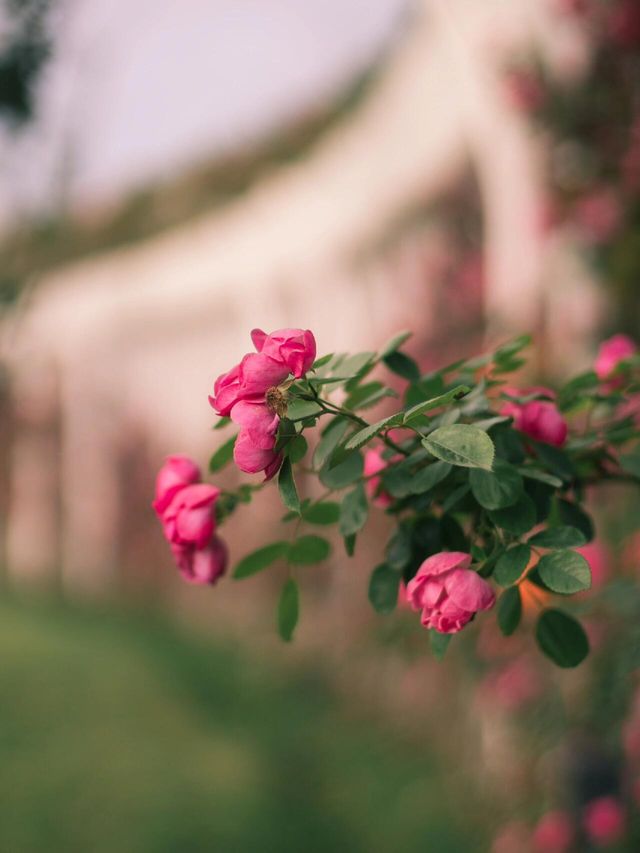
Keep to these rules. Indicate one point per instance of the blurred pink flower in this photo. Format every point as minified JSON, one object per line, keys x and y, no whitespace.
{"x":599,"y":561}
{"x":176,"y":473}
{"x":623,"y":24}
{"x":294,"y":347}
{"x":611,"y":353}
{"x":513,"y":686}
{"x":539,"y":419}
{"x":599,"y":214}
{"x":374,"y":463}
{"x":554,"y":833}
{"x":190,"y":517}
{"x":514,"y":837}
{"x":202,"y":565}
{"x":448,"y":592}
{"x":604,"y":820}
{"x":523,"y":90}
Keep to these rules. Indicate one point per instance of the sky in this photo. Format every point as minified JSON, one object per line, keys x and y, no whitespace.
{"x":139,"y":89}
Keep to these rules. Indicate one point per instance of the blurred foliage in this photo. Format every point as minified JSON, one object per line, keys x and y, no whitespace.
{"x":120,"y":734}
{"x":22,"y":57}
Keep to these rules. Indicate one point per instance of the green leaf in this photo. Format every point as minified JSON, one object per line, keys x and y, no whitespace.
{"x":367,"y":433}
{"x":261,"y":559}
{"x":556,"y":460}
{"x":353,"y":511}
{"x":330,"y":439}
{"x":512,"y":564}
{"x":402,"y":365}
{"x":383,"y":588}
{"x":574,"y":516}
{"x":416,"y":412}
{"x":439,"y":643}
{"x":343,"y":474}
{"x":558,"y":537}
{"x":498,"y":488}
{"x":320,"y":362}
{"x":427,"y":478}
{"x":307,"y":550}
{"x":541,"y":476}
{"x":509,"y":610}
{"x":517,"y":519}
{"x":287,"y":486}
{"x":223,"y":455}
{"x":562,"y":638}
{"x":325,"y":512}
{"x":630,"y":462}
{"x":350,"y":544}
{"x":455,"y":497}
{"x":288,"y":610}
{"x":365,"y":396}
{"x":461,"y":444}
{"x":298,"y":409}
{"x":297,"y":449}
{"x":565,"y":572}
{"x":398,"y":550}
{"x":395,"y":342}
{"x":223,"y":421}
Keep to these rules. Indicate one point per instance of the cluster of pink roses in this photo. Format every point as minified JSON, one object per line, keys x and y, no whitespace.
{"x":448,"y":592}
{"x":250,"y":394}
{"x":186,"y":508}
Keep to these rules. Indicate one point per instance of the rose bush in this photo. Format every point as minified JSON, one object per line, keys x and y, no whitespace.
{"x":485,"y":481}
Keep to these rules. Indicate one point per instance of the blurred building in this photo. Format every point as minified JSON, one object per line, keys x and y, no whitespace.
{"x":110,"y":357}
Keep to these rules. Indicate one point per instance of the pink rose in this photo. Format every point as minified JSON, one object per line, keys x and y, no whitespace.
{"x":539,"y":419}
{"x":258,"y":422}
{"x":202,"y":565}
{"x":294,"y":347}
{"x":523,"y":90}
{"x":599,"y":214}
{"x":604,"y":820}
{"x":512,"y":838}
{"x":251,"y":458}
{"x":373,"y":463}
{"x":554,"y":833}
{"x":190,"y":517}
{"x":448,"y":592}
{"x":611,"y":353}
{"x":176,"y":473}
{"x":249,"y":380}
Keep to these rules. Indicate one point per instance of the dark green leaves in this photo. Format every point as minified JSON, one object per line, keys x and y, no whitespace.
{"x":427,"y":478}
{"x":308,"y":549}
{"x":353,"y":511}
{"x":383,"y":588}
{"x":565,"y":572}
{"x":511,"y":565}
{"x":325,"y":512}
{"x":330,"y":439}
{"x":516,"y":519}
{"x":630,"y":462}
{"x":558,"y":537}
{"x":498,"y":488}
{"x":287,"y":486}
{"x":415,"y":412}
{"x":344,"y":473}
{"x":261,"y":559}
{"x":223,"y":455}
{"x":288,"y":610}
{"x":574,"y":516}
{"x":402,"y":365}
{"x":367,"y":433}
{"x":461,"y":444}
{"x":562,"y":638}
{"x":509,"y":610}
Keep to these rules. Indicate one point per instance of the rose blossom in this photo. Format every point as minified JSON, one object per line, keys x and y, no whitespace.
{"x":251,"y":379}
{"x":294,"y":347}
{"x":599,"y":214}
{"x":189,"y":519}
{"x":448,"y":592}
{"x":539,"y":419}
{"x":251,"y":458}
{"x":604,"y":820}
{"x":613,"y":351}
{"x":554,"y":833}
{"x":176,"y":473}
{"x":202,"y":565}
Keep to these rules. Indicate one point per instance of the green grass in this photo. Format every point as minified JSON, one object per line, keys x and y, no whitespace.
{"x":118,"y":734}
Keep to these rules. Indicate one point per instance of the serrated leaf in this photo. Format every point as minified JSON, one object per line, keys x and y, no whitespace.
{"x":325,"y":512}
{"x":498,"y":488}
{"x":223,"y":455}
{"x":558,"y":537}
{"x":307,"y":550}
{"x":511,"y":565}
{"x":509,"y":610}
{"x":260,"y":559}
{"x":562,"y":638}
{"x":287,"y":487}
{"x":329,"y":441}
{"x":565,"y":572}
{"x":461,"y":444}
{"x":353,"y":511}
{"x":288,"y":610}
{"x":383,"y":588}
{"x":402,"y":365}
{"x":417,"y":411}
{"x":367,"y":433}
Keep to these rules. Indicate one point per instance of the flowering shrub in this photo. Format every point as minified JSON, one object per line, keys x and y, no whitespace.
{"x":485,"y":481}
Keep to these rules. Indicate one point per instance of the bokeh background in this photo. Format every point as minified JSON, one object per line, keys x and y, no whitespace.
{"x":175,"y":174}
